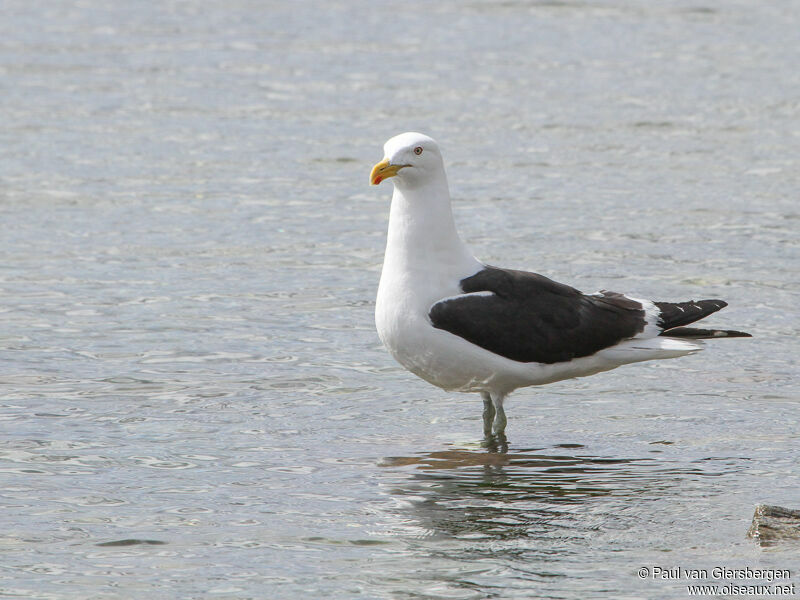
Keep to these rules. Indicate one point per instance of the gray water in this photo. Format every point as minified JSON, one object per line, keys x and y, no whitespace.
{"x":194,"y":400}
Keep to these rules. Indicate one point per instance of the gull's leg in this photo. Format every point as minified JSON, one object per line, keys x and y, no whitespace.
{"x":499,"y":425}
{"x":488,"y":414}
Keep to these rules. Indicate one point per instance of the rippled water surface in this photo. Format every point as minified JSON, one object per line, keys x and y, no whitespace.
{"x":194,"y":400}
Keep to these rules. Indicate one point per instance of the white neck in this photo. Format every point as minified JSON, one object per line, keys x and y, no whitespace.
{"x":422,"y":234}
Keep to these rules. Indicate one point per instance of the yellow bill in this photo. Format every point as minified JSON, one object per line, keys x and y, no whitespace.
{"x":383,"y":170}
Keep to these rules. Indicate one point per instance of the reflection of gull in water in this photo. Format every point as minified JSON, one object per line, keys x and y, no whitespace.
{"x":521,"y":475}
{"x":541,"y":522}
{"x":529,"y":493}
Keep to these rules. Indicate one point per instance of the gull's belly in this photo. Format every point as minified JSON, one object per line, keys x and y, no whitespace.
{"x":444,"y":359}
{"x":431,"y":354}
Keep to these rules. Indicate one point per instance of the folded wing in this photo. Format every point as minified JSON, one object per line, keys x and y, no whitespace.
{"x":529,"y":318}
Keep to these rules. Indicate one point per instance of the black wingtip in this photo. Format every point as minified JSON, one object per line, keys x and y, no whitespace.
{"x":678,"y":314}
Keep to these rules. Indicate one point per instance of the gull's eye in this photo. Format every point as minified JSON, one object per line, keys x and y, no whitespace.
{"x":418,"y":150}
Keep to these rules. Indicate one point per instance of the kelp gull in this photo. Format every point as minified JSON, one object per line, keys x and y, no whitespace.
{"x":466,"y":326}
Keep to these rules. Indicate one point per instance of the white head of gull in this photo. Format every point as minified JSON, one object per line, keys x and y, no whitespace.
{"x":466,"y":326}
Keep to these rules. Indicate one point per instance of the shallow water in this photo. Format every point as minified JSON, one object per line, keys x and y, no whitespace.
{"x":194,"y":400}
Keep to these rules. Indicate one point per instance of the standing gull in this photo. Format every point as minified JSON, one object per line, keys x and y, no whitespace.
{"x":466,"y":326}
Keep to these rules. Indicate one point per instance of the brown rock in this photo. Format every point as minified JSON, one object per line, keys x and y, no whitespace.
{"x":773,"y":524}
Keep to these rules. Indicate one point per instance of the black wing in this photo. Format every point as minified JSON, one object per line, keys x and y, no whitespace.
{"x":530,"y":318}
